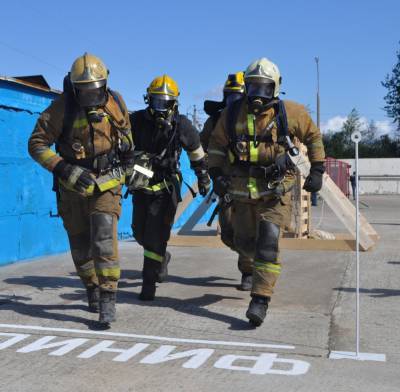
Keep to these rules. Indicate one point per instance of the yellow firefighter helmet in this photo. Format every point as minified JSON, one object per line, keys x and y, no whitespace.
{"x":164,"y":85}
{"x":162,"y":95}
{"x":234,"y":83}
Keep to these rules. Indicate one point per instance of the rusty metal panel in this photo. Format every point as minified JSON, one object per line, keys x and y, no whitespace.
{"x":339,"y":171}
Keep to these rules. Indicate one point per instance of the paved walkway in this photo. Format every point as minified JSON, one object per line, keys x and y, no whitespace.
{"x":195,"y":336}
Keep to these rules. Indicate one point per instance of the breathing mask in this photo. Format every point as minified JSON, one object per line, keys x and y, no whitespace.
{"x":161,"y":108}
{"x":260,"y":96}
{"x":90,"y":97}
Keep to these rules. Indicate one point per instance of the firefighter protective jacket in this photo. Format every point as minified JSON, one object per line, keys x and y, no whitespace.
{"x":149,"y":139}
{"x":220,"y":152}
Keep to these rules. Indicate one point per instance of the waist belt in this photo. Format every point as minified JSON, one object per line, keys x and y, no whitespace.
{"x":265,"y":172}
{"x":98,"y":164}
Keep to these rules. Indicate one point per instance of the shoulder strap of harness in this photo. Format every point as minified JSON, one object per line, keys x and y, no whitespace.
{"x":69,"y":111}
{"x":283,"y":128}
{"x":118,"y":100}
{"x":281,"y":120}
{"x":173,"y":140}
{"x":231,"y":119}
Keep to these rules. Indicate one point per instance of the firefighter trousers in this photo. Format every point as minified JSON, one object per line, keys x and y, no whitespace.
{"x":91,"y":225}
{"x":153,"y":217}
{"x":245,"y":263}
{"x":256,"y":231}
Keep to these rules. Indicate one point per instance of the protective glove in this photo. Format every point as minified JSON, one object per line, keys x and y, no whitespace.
{"x":128,"y":162}
{"x":75,"y":176}
{"x":221,"y":183}
{"x":203,"y":180}
{"x":313,"y":182}
{"x":204,"y":184}
{"x":128,"y":159}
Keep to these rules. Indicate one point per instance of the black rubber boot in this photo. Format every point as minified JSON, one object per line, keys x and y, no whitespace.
{"x":257,"y":310}
{"x":107,"y":307}
{"x":151,"y":270}
{"x":163,"y":274}
{"x":246,"y":283}
{"x":93,"y":297}
{"x":148,"y":292}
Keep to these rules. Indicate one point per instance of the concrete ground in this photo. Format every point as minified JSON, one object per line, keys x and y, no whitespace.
{"x":195,"y":337}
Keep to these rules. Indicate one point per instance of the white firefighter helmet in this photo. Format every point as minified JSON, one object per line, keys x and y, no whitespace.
{"x":264,"y":71}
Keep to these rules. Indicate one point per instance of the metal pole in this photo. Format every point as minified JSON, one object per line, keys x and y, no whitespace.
{"x":318,"y":105}
{"x":356,"y":137}
{"x":358,"y":257}
{"x":195,"y":117}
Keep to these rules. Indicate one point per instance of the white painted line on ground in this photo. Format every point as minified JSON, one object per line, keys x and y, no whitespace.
{"x":359,"y":357}
{"x":149,"y":337}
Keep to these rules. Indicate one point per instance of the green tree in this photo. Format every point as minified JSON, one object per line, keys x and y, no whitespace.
{"x":333,"y":143}
{"x":370,"y":133}
{"x":339,"y":145}
{"x":387,"y":147}
{"x":392,"y":98}
{"x":351,"y":125}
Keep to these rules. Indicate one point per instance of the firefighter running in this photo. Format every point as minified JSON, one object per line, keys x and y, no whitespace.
{"x":233,"y":90}
{"x":252,"y":139}
{"x":159,"y":134}
{"x":89,"y":124}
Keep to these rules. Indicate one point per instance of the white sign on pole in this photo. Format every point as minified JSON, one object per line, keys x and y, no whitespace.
{"x":356,"y":138}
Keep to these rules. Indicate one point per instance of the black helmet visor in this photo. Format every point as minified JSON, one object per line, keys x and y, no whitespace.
{"x":90,"y":97}
{"x":263,"y":90}
{"x":161,"y":103}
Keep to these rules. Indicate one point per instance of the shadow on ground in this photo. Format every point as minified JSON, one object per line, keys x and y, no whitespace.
{"x":191,"y":306}
{"x":20,"y":305}
{"x":374,"y":293}
{"x":46,"y":282}
{"x":58,"y":282}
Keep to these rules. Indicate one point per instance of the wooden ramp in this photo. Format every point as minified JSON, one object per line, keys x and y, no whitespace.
{"x":212,"y":240}
{"x":340,"y":205}
{"x":297,"y":236}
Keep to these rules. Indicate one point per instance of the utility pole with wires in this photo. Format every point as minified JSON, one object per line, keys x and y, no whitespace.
{"x":318,"y":107}
{"x":195,"y":118}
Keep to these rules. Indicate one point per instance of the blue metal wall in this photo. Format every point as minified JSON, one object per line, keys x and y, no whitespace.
{"x":26,"y":199}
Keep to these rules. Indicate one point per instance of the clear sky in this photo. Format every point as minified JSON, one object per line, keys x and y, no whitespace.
{"x":199,"y":42}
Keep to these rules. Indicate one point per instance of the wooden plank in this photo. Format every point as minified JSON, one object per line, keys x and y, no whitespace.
{"x":348,"y":236}
{"x":339,"y":204}
{"x":285,"y":243}
{"x":345,"y":211}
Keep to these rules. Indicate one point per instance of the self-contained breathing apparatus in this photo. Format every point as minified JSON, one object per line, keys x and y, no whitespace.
{"x":161,"y":167}
{"x":107,"y":169}
{"x":275,"y":173}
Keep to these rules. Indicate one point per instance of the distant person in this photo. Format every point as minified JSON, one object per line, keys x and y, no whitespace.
{"x":314,"y":199}
{"x":353,"y":184}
